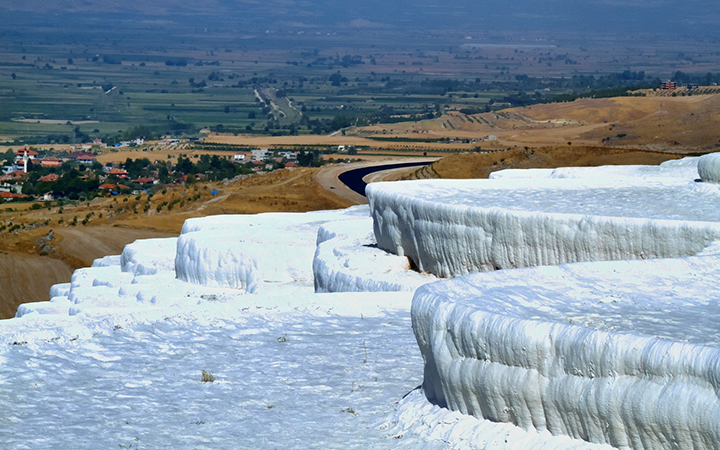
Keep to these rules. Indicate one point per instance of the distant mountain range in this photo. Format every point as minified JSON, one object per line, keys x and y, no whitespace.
{"x":697,"y":18}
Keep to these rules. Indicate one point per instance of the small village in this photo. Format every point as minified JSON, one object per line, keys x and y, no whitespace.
{"x":30,"y":174}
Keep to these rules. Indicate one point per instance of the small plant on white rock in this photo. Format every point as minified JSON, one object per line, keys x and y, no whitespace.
{"x":207,"y":377}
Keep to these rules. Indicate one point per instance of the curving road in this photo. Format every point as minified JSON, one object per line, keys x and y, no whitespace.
{"x":354,"y":179}
{"x":349,"y":180}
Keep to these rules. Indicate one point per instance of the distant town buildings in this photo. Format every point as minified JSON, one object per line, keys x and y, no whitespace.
{"x":20,"y":154}
{"x":51,"y":161}
{"x":120,"y":173}
{"x":290,"y":156}
{"x":7,"y":196}
{"x":82,"y":157}
{"x":55,"y":169}
{"x":260,"y":154}
{"x":49,"y":178}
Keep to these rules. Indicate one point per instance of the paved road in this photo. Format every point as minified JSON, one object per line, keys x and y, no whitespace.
{"x":329,"y":176}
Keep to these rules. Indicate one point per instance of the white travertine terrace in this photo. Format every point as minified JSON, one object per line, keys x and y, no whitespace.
{"x":625,"y":353}
{"x":709,"y":168}
{"x":252,"y":252}
{"x":348,"y":260}
{"x":455,"y":227}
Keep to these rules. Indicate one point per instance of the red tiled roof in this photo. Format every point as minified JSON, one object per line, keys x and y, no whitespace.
{"x":111,"y":186}
{"x":144,"y":180}
{"x":51,"y":177}
{"x":81,"y":155}
{"x":8,"y":195}
{"x":16,"y":175}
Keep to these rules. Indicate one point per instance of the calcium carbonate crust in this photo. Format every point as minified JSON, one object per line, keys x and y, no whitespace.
{"x":253,"y":253}
{"x":348,"y":260}
{"x":451,"y":240}
{"x":619,"y":389}
{"x":709,"y":168}
{"x":465,"y":432}
{"x":685,"y":168}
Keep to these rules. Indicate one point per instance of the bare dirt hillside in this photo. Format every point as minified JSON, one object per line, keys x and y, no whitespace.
{"x":686,"y":124}
{"x":27,"y":278}
{"x":480,"y":165}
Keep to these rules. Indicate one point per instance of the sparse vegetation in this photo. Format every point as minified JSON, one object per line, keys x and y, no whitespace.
{"x":207,"y":377}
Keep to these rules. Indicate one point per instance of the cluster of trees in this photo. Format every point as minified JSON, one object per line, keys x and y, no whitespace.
{"x":213,"y":167}
{"x":344,"y":61}
{"x":73,"y":182}
{"x":707,"y":79}
{"x":310,"y":158}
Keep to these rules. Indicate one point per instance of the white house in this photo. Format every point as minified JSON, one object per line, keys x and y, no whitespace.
{"x":290,"y":156}
{"x":260,"y":154}
{"x":239,"y":157}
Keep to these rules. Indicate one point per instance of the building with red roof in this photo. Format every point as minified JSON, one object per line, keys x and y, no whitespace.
{"x":20,"y":154}
{"x":113,"y":187}
{"x":49,"y":178}
{"x":82,"y":157}
{"x":145,"y":180}
{"x":51,"y":161}
{"x":13,"y":176}
{"x":7,"y":196}
{"x":120,"y":173}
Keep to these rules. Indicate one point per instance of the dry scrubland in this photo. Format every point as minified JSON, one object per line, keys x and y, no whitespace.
{"x":586,"y":132}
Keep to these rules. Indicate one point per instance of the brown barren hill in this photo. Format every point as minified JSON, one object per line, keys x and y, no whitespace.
{"x":27,"y":278}
{"x":684,"y":123}
{"x":681,"y":123}
{"x":480,"y":165}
